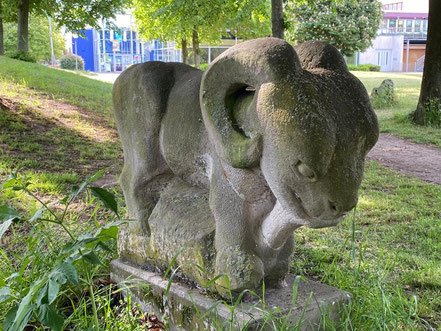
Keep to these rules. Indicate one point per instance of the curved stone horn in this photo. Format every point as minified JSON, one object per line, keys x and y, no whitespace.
{"x":249,"y":64}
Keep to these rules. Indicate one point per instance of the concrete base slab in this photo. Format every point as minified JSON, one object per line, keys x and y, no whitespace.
{"x":189,"y":309}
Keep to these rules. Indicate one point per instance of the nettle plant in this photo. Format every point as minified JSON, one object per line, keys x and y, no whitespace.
{"x":69,"y":262}
{"x":432,"y":113}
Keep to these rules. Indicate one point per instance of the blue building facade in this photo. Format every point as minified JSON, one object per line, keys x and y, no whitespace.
{"x":115,"y":50}
{"x":110,"y":50}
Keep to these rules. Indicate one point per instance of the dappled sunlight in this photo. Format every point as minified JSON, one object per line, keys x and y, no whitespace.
{"x":384,"y":75}
{"x":88,"y":124}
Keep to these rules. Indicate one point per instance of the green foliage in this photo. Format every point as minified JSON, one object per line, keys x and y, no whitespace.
{"x":22,"y":56}
{"x":432,"y":113}
{"x":204,"y":66}
{"x":39,"y":40}
{"x":364,"y":67}
{"x":176,"y":20}
{"x":70,"y":62}
{"x":348,"y":25}
{"x":72,"y":263}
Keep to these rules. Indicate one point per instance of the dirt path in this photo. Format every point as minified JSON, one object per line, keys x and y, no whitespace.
{"x":419,"y":160}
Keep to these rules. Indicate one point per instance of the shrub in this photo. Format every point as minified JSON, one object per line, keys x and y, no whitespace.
{"x":364,"y":67}
{"x":22,"y":56}
{"x":68,"y":62}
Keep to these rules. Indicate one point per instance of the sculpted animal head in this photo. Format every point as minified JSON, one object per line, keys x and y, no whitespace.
{"x":299,"y":115}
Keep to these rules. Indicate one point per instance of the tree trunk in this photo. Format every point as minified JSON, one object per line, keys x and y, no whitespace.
{"x":277,"y":22}
{"x":184,"y":51}
{"x":23,"y":26}
{"x":431,"y":84}
{"x":2,"y":43}
{"x":196,"y":49}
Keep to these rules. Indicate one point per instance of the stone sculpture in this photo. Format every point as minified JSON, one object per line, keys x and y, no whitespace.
{"x":384,"y":95}
{"x":227,"y":163}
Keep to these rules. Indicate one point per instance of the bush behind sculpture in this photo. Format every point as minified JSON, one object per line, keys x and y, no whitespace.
{"x":68,"y":62}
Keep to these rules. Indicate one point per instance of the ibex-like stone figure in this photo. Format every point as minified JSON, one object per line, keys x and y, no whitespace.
{"x":228,"y":162}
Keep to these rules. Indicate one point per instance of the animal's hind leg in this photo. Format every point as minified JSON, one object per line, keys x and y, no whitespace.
{"x":139,"y":98}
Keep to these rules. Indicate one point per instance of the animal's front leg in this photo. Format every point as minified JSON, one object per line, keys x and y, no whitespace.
{"x":236,"y":218}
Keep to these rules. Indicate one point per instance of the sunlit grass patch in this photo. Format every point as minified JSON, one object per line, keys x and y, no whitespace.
{"x":65,"y":86}
{"x":396,"y":120}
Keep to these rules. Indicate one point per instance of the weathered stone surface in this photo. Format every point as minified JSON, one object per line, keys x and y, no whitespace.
{"x":184,"y":307}
{"x":181,"y":225}
{"x":384,"y":95}
{"x":226,"y":164}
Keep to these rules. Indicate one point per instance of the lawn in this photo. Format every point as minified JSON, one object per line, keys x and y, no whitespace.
{"x":395,"y":120}
{"x":387,"y":253}
{"x":63,"y":85}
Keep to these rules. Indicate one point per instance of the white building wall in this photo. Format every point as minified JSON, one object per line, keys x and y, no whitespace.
{"x":392,"y":45}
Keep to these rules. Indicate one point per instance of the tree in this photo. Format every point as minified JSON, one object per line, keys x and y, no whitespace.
{"x":277,"y":19}
{"x":74,"y":15}
{"x":199,"y":20}
{"x":348,"y":25}
{"x":39,"y":39}
{"x":429,"y":104}
{"x":7,"y":14}
{"x":2,"y":46}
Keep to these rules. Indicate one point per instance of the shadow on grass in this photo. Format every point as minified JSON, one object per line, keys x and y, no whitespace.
{"x":32,"y":140}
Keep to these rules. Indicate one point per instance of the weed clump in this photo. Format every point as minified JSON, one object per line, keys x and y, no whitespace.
{"x":432,"y":113}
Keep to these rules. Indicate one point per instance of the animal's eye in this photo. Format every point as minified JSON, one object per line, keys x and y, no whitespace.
{"x":305,"y":171}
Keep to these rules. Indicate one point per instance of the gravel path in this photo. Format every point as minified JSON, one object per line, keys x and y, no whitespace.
{"x":419,"y":160}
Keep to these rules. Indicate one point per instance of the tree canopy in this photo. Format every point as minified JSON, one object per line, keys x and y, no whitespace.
{"x":348,"y":25}
{"x":201,"y":20}
{"x":73,"y":15}
{"x":39,"y":40}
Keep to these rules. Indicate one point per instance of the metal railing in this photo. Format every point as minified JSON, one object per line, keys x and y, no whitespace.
{"x":419,"y":64}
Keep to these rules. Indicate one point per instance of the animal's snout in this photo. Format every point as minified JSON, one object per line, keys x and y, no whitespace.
{"x":337,"y":209}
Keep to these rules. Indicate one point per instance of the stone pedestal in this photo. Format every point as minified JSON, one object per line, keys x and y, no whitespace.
{"x":188,"y":309}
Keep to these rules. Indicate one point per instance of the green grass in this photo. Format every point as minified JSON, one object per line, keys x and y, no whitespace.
{"x":66,"y":86}
{"x":396,"y":120}
{"x":53,"y":146}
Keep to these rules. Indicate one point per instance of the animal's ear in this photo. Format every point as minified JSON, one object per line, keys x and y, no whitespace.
{"x":318,"y":54}
{"x":236,"y":72}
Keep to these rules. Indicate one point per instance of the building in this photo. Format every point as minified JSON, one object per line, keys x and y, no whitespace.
{"x":113,"y":50}
{"x":106,"y":50}
{"x":401,"y":41}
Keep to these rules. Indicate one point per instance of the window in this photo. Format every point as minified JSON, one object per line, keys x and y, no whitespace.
{"x":409,"y":25}
{"x":417,"y":26}
{"x":400,"y":26}
{"x":392,"y":24}
{"x":384,"y":59}
{"x":424,"y":26}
